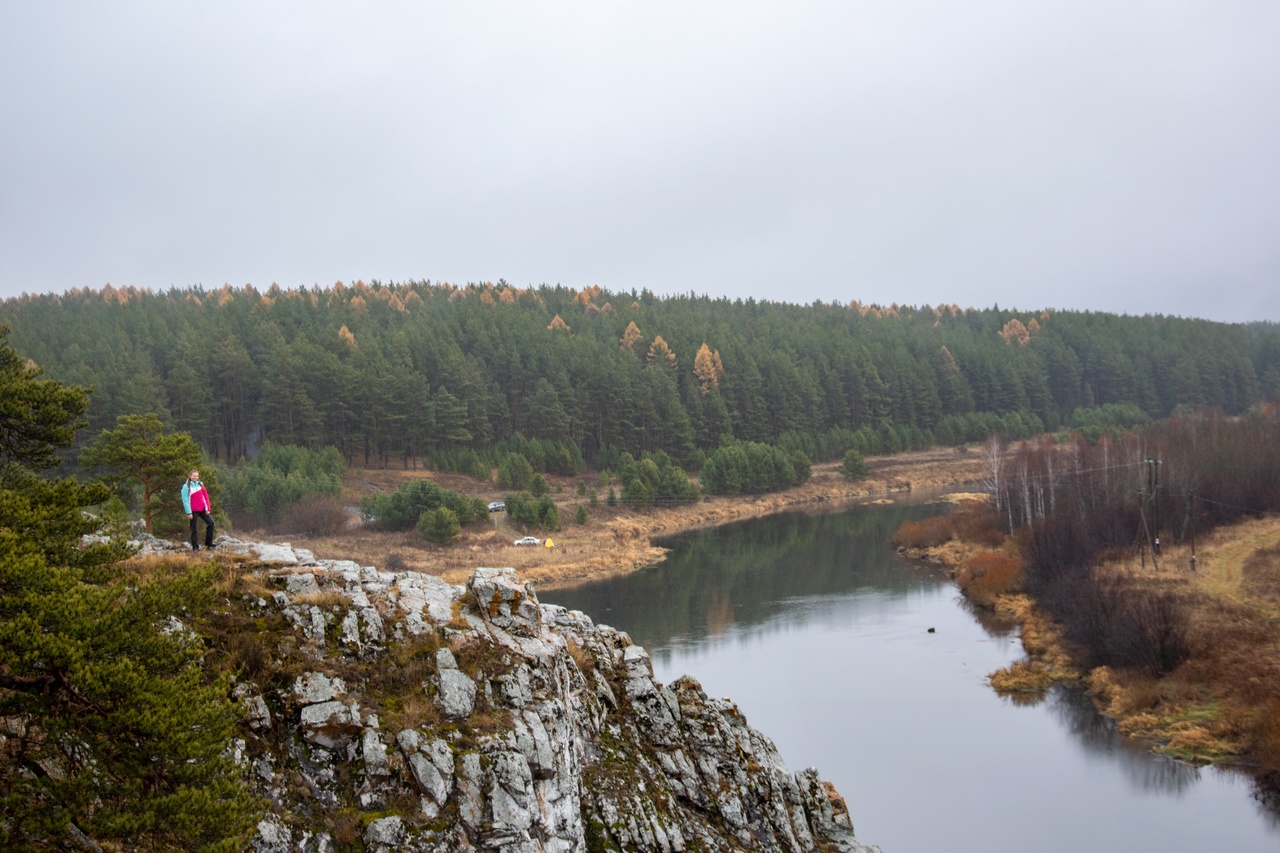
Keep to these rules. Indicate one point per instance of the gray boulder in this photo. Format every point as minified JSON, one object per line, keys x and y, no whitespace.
{"x":455,"y":691}
{"x":502,"y":599}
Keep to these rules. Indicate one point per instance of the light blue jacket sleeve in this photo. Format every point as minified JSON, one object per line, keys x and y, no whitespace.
{"x":186,"y":497}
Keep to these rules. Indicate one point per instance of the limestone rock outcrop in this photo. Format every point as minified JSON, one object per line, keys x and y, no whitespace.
{"x":399,"y":713}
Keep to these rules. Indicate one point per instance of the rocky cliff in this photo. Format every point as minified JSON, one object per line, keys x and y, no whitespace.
{"x":394,"y":712}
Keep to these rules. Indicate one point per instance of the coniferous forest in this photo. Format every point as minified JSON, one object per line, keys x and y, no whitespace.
{"x":422,"y":374}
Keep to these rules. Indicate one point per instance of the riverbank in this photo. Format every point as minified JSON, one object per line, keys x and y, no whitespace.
{"x":1219,"y":705}
{"x":815,"y":604}
{"x":614,"y":540}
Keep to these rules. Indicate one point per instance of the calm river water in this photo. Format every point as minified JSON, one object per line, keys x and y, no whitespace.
{"x":819,"y":631}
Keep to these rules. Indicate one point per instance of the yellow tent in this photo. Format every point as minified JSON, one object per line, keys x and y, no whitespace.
{"x":550,"y":544}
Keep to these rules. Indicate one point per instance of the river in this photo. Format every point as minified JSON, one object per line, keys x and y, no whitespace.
{"x":821,"y":634}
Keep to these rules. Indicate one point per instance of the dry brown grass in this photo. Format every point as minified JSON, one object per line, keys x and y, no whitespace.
{"x":585,"y":662}
{"x":1222,"y":702}
{"x":456,"y":619}
{"x":1265,"y":741}
{"x":235,"y":574}
{"x":326,"y":598}
{"x":346,"y":828}
{"x":254,"y":582}
{"x":1192,"y":741}
{"x":1224,"y":559}
{"x":487,"y":721}
{"x":1201,"y":733}
{"x":1260,"y":578}
{"x":1022,"y":676}
{"x":1121,"y":697}
{"x":1040,"y":637}
{"x":152,"y":567}
{"x":412,"y":710}
{"x":397,"y":685}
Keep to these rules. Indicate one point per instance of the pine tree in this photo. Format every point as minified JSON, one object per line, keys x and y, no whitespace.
{"x":440,"y":525}
{"x":853,"y":466}
{"x":112,"y":731}
{"x":515,"y":472}
{"x":139,"y":454}
{"x":37,"y":416}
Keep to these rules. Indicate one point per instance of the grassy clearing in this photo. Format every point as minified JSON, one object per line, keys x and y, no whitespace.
{"x":1223,"y":702}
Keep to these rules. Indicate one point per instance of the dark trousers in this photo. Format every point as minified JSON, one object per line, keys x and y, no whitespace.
{"x":208,"y":528}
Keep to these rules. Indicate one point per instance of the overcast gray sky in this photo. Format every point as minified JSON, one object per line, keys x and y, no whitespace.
{"x":1114,"y":156}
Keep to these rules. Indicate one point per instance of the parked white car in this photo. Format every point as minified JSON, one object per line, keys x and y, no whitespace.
{"x":528,"y":540}
{"x":497,"y":506}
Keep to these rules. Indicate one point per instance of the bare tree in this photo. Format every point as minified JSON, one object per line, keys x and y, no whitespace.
{"x":994,"y":482}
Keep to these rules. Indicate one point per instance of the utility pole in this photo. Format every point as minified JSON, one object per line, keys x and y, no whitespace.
{"x":1150,"y":508}
{"x":1142,"y":518}
{"x":1193,"y":532}
{"x":1155,"y":503}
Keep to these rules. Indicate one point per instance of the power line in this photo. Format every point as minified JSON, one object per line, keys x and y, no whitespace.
{"x":1073,"y":473}
{"x":1232,"y":506}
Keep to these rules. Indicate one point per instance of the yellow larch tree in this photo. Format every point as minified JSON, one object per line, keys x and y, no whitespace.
{"x":630,"y":337}
{"x":707,"y":368}
{"x":660,"y":353}
{"x":1015,"y":331}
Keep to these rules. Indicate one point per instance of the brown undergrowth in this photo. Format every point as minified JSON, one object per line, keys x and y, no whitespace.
{"x":240,"y":643}
{"x":1220,"y":704}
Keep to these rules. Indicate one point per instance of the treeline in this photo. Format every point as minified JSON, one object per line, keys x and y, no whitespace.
{"x":458,"y":377}
{"x":1076,"y":503}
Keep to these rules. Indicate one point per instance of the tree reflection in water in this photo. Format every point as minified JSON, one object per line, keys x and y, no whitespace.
{"x":1146,"y":771}
{"x":1156,"y":774}
{"x":742,"y":576}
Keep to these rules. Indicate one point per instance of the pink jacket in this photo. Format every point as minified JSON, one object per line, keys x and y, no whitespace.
{"x":195,"y":498}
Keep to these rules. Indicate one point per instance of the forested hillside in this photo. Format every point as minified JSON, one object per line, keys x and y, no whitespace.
{"x":407,"y":373}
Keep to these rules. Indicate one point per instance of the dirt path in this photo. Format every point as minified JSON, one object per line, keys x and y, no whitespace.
{"x":1220,"y":558}
{"x":1222,"y":568}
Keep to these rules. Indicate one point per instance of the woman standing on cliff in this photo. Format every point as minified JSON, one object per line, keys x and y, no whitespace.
{"x":195,"y":500}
